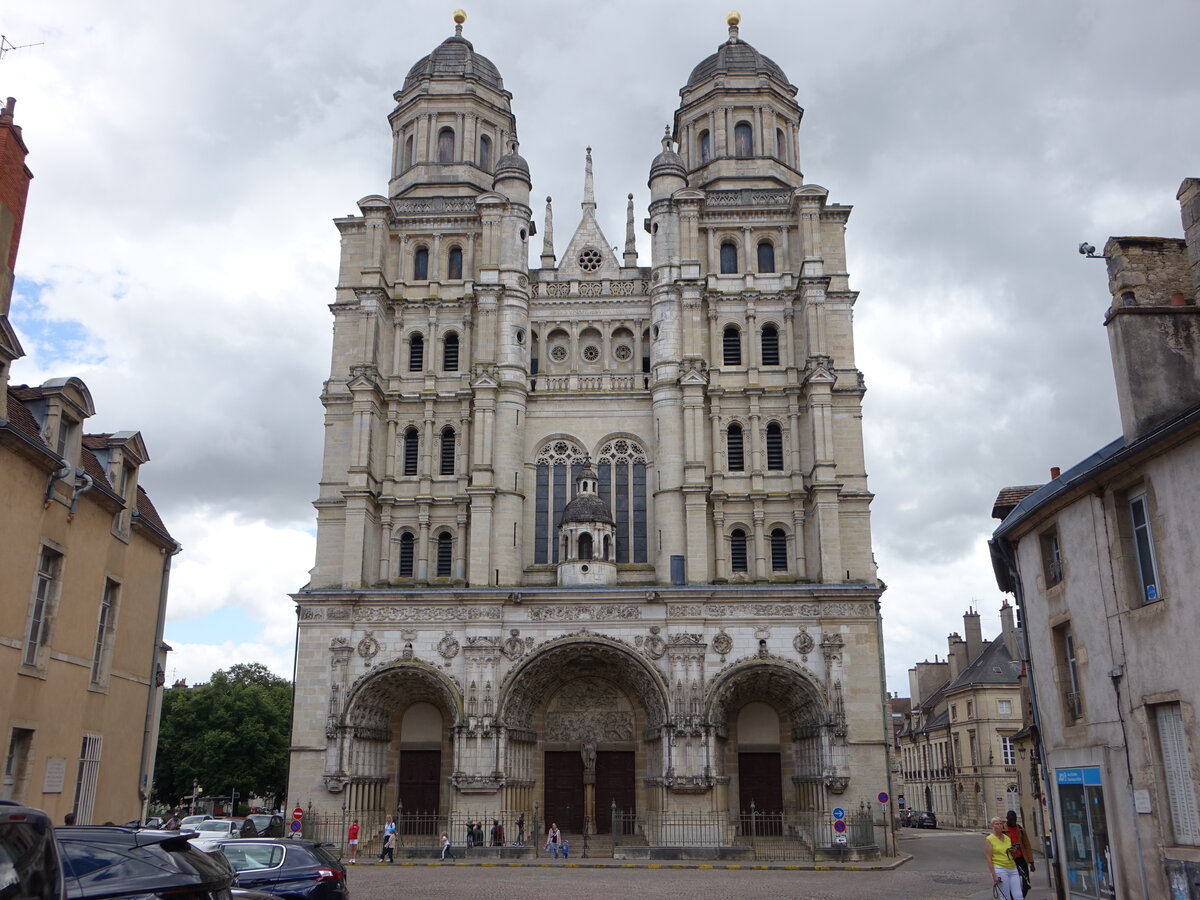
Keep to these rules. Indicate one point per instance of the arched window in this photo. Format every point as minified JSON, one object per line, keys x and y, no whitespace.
{"x":607,"y":547}
{"x":447,"y":467}
{"x":766,"y":257}
{"x":445,"y":555}
{"x":454,"y":264}
{"x":450,"y":353}
{"x":585,"y":546}
{"x":411,"y":449}
{"x":408,"y":152}
{"x":421,"y":264}
{"x":779,"y":556}
{"x":733,"y":443}
{"x":446,"y":145}
{"x":705,"y":147}
{"x":743,"y":139}
{"x":729,"y":258}
{"x":737,"y":550}
{"x":416,"y":353}
{"x":407,"y":543}
{"x":485,"y":153}
{"x":770,"y":346}
{"x":780,"y":144}
{"x":731,"y":346}
{"x":774,"y":447}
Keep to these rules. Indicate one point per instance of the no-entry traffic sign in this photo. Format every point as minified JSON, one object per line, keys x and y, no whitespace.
{"x":298,"y":813}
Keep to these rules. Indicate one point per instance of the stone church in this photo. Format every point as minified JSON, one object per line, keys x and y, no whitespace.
{"x":594,"y":534}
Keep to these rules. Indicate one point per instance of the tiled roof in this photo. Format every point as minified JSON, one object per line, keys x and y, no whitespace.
{"x":1009,"y":497}
{"x":92,"y":466}
{"x":96,"y":441}
{"x":147,"y":512}
{"x":21,"y":417}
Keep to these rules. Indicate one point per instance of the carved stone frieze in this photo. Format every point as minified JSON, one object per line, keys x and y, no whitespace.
{"x":311,"y":614}
{"x":589,"y":725}
{"x":837,"y":609}
{"x":428,"y":613}
{"x":593,"y":613}
{"x":338,"y":613}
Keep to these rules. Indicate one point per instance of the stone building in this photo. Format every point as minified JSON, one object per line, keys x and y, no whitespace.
{"x":84,"y":561}
{"x":1102,"y":561}
{"x":594,"y":533}
{"x":959,"y":750}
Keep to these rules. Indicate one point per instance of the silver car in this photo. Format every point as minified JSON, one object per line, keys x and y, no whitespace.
{"x":211,"y":832}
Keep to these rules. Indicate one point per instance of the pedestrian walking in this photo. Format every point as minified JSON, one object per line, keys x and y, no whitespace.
{"x":447,"y":850}
{"x":566,"y":849}
{"x":997,"y":850}
{"x":554,"y":840}
{"x":352,"y":840}
{"x":389,"y":847}
{"x":520,"y":842}
{"x":1022,"y":849}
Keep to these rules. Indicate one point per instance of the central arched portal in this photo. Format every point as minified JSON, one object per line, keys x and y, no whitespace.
{"x":590,"y":713}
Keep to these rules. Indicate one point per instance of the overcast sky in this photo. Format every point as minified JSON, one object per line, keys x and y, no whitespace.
{"x":179,"y":256}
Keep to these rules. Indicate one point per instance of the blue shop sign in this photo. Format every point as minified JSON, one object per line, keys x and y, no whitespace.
{"x":1090,"y":775}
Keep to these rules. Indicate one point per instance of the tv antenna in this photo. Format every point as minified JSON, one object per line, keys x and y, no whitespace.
{"x":6,"y":45}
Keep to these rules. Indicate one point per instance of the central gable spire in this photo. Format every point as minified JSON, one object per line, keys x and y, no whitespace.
{"x":589,"y":254}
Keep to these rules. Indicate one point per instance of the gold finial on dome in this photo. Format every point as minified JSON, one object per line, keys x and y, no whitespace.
{"x":459,"y":16}
{"x":733,"y":17}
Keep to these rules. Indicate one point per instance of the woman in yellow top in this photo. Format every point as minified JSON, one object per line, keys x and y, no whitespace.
{"x":997,"y":850}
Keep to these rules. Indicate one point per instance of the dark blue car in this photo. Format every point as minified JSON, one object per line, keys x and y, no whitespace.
{"x":291,"y":868}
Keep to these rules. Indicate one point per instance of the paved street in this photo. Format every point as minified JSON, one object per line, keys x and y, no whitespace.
{"x":945,"y":865}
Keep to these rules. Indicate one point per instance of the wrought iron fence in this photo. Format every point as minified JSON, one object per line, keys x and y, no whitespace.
{"x":419,"y":833}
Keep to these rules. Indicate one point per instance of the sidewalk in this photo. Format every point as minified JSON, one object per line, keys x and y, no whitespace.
{"x":884,"y":865}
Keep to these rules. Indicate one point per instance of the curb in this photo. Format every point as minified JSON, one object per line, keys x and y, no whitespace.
{"x":888,"y":866}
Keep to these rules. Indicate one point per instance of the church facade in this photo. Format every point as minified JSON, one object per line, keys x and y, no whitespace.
{"x":594,"y":534}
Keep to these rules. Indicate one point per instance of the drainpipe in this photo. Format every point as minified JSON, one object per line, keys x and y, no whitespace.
{"x":56,"y":477}
{"x":153,"y":698}
{"x":83,"y":484}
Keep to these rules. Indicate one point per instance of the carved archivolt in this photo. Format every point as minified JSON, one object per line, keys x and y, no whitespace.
{"x":388,"y":689}
{"x":773,"y":681}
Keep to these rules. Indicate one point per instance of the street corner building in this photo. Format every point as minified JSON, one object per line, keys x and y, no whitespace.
{"x":1102,"y":561}
{"x":84,"y":563}
{"x":594,"y":537}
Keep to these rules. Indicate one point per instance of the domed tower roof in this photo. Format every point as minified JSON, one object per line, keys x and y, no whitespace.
{"x":736,"y":57}
{"x":587,"y":505}
{"x":512,"y":162}
{"x":455,"y":58}
{"x":668,"y":162}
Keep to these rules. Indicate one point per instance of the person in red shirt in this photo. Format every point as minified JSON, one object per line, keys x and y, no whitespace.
{"x":352,"y":840}
{"x":1022,"y":849}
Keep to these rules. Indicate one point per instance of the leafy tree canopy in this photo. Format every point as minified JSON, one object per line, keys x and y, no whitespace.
{"x":231,"y":734}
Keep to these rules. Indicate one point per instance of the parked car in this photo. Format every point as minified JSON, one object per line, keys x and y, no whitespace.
{"x":267,"y":824}
{"x":211,"y":832}
{"x":906,"y":818}
{"x":192,"y":821}
{"x":103,"y":862}
{"x":29,"y":860}
{"x":291,"y":868}
{"x":924,"y":818}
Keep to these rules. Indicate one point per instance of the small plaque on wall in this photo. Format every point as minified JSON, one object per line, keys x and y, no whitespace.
{"x":56,"y":771}
{"x":1141,"y":802}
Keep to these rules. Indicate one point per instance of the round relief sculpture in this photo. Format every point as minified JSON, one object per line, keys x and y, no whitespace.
{"x":622,"y":352}
{"x":448,"y":647}
{"x":722,"y":643}
{"x":558,"y":354}
{"x":803,"y":642}
{"x":589,"y":260}
{"x":591,"y":353}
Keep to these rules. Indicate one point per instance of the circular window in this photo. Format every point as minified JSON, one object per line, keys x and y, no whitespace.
{"x":591,"y":353}
{"x":520,"y":335}
{"x":589,"y":260}
{"x":622,"y":352}
{"x":523,"y":235}
{"x":558,"y":354}
{"x":583,"y":568}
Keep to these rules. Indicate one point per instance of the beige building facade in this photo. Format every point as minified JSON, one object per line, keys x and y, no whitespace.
{"x":594,"y":534}
{"x":84,"y":560}
{"x":1102,"y":561}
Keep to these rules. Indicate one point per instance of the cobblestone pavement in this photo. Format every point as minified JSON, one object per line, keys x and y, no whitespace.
{"x":943,"y":866}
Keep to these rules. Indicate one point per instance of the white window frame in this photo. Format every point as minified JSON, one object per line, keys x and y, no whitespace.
{"x":1004,"y":707}
{"x":105,"y":626}
{"x":1008,"y":752}
{"x":46,"y":587}
{"x":87,"y":778}
{"x":1143,"y":545}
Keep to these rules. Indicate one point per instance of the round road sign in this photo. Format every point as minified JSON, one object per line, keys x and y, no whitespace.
{"x":295,"y":827}
{"x":883,"y":797}
{"x":839,"y":826}
{"x":839,"y":813}
{"x":298,"y":813}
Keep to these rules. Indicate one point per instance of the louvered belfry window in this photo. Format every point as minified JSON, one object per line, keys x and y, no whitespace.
{"x":737,"y":459}
{"x":774,"y":447}
{"x":737,"y":550}
{"x":731,"y":346}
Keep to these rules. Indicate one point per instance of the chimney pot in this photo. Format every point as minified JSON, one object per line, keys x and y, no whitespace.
{"x":1055,"y":471}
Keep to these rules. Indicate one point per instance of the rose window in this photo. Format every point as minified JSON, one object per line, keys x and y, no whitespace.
{"x":589,"y":260}
{"x":622,"y":352}
{"x":558,"y":354}
{"x":591,"y":353}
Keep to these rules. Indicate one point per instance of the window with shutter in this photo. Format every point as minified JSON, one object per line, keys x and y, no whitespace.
{"x":1177,"y":773}
{"x":411,"y":446}
{"x":737,"y":550}
{"x":447,"y":467}
{"x":445,"y":554}
{"x":737,"y":460}
{"x":731,"y":346}
{"x":774,"y":447}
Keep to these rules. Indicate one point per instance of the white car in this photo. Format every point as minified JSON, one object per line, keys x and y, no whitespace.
{"x":211,"y":832}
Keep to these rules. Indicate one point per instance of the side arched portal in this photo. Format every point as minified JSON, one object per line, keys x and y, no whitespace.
{"x":773,"y":736}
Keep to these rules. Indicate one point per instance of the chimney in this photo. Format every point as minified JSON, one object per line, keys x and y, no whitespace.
{"x":1154,"y":323}
{"x":1009,"y":631}
{"x":972,"y":630}
{"x":14,"y":188}
{"x":925,"y":678}
{"x":957,"y":656}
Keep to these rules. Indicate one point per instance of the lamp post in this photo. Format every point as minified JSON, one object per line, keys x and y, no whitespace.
{"x":195,"y":791}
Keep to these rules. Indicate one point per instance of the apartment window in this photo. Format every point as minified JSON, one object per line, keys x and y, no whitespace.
{"x":1052,"y":567}
{"x":447,"y":467}
{"x":445,"y":554}
{"x":766,"y":257}
{"x":1068,"y":673}
{"x":953,"y":712}
{"x":45,"y":593}
{"x":731,"y":346}
{"x":774,"y":447}
{"x":421,"y":264}
{"x":737,"y":550}
{"x":1143,"y":545}
{"x":407,"y":544}
{"x":1177,"y":773}
{"x":974,"y":748}
{"x":454,"y":264}
{"x":450,"y":353}
{"x":1004,"y":707}
{"x":779,"y":554}
{"x":705,"y":147}
{"x":733,"y":440}
{"x":743,"y":139}
{"x":485,"y":153}
{"x":445,"y":145}
{"x":86,"y":778}
{"x":1008,"y":753}
{"x":770,"y":346}
{"x":416,"y":353}
{"x":970,"y":708}
{"x":729,"y":260}
{"x":104,"y":630}
{"x":411,"y":446}
{"x":16,"y":763}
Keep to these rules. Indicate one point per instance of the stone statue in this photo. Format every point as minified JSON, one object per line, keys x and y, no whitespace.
{"x":588,"y":752}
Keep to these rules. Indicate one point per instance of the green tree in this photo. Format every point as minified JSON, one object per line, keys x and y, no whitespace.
{"x":230,"y":734}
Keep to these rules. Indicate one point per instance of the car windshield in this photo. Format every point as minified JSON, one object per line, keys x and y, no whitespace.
{"x":214,"y":825}
{"x":191,"y":820}
{"x":28,"y":862}
{"x":253,"y":856}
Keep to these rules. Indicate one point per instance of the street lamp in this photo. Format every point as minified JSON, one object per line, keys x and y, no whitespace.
{"x":195,"y":790}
